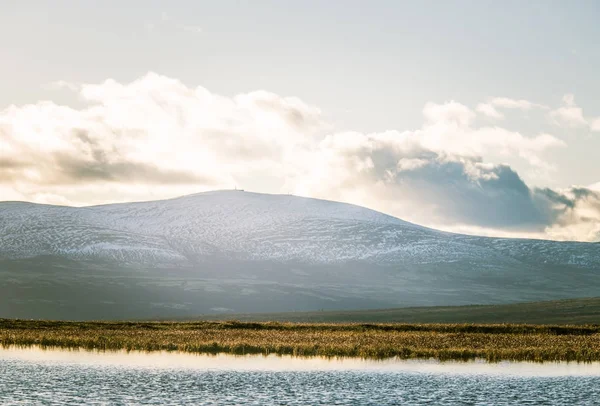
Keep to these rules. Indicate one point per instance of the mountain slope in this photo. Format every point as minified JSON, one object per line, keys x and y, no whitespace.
{"x":234,"y":251}
{"x":566,"y":311}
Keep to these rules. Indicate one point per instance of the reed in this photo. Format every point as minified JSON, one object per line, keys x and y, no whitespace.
{"x":377,"y":341}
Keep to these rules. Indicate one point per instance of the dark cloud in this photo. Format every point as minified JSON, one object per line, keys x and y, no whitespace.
{"x":69,"y":169}
{"x":584,"y":193}
{"x":465,"y":190}
{"x":10,"y":163}
{"x":96,"y":163}
{"x":93,"y":164}
{"x":574,"y":206}
{"x":559,"y":198}
{"x":498,"y":198}
{"x":10,"y":169}
{"x":468,"y":192}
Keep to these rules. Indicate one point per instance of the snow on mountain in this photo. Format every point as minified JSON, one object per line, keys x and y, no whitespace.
{"x":245,"y":224}
{"x":255,"y":252}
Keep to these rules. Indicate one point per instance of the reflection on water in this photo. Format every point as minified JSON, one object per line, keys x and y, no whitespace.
{"x":33,"y":375}
{"x":179,"y":360}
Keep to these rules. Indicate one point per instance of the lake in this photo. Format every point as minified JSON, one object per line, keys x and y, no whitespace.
{"x":57,"y":377}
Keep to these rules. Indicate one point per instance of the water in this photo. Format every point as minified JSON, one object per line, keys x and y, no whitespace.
{"x":57,"y":377}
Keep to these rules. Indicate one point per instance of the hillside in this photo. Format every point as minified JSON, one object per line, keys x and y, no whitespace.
{"x":567,"y":311}
{"x":237,"y":252}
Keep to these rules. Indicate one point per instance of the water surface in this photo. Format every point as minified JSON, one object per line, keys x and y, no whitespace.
{"x":52,"y":377}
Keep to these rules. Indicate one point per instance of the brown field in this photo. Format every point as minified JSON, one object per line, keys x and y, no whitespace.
{"x":440,"y":341}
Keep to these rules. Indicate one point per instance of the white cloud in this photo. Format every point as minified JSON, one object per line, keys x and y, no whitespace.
{"x":489,"y":110}
{"x":156,"y":138}
{"x":520,"y":104}
{"x":569,"y":115}
{"x":595,"y":124}
{"x":450,"y":113}
{"x":491,"y":107}
{"x":154,"y":130}
{"x":449,"y":129}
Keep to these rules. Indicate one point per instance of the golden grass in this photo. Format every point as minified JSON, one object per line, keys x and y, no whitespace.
{"x":377,"y":341}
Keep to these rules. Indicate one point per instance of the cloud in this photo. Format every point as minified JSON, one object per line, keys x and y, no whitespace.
{"x":520,"y":104}
{"x":489,"y":110}
{"x":449,"y":129}
{"x":154,"y":130}
{"x":156,"y":137}
{"x":386,"y":171}
{"x":450,"y":113}
{"x":569,"y":115}
{"x":10,"y":168}
{"x":595,"y":124}
{"x":430,"y":186}
{"x":580,"y":217}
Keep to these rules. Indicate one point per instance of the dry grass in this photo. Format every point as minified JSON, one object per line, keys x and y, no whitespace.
{"x":440,"y":341}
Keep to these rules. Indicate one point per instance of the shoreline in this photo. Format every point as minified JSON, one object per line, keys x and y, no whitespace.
{"x":282,"y":363}
{"x":443,"y":342}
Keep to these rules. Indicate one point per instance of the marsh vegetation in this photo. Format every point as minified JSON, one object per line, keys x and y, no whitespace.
{"x":374,"y":341}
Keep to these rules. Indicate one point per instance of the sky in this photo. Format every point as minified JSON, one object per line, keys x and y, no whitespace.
{"x":474,"y":117}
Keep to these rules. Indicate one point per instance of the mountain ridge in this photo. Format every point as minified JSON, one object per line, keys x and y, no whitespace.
{"x":210,"y":192}
{"x":242,"y":251}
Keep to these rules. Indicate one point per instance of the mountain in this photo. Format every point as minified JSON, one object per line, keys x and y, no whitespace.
{"x":235,"y":251}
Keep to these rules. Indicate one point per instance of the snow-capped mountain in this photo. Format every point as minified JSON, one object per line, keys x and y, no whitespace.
{"x":240,"y":251}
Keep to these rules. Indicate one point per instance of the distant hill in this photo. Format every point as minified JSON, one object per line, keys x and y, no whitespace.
{"x":238,"y":252}
{"x":568,"y":311}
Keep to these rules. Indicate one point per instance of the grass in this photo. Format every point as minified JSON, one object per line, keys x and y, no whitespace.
{"x":569,"y":311}
{"x":377,"y":341}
